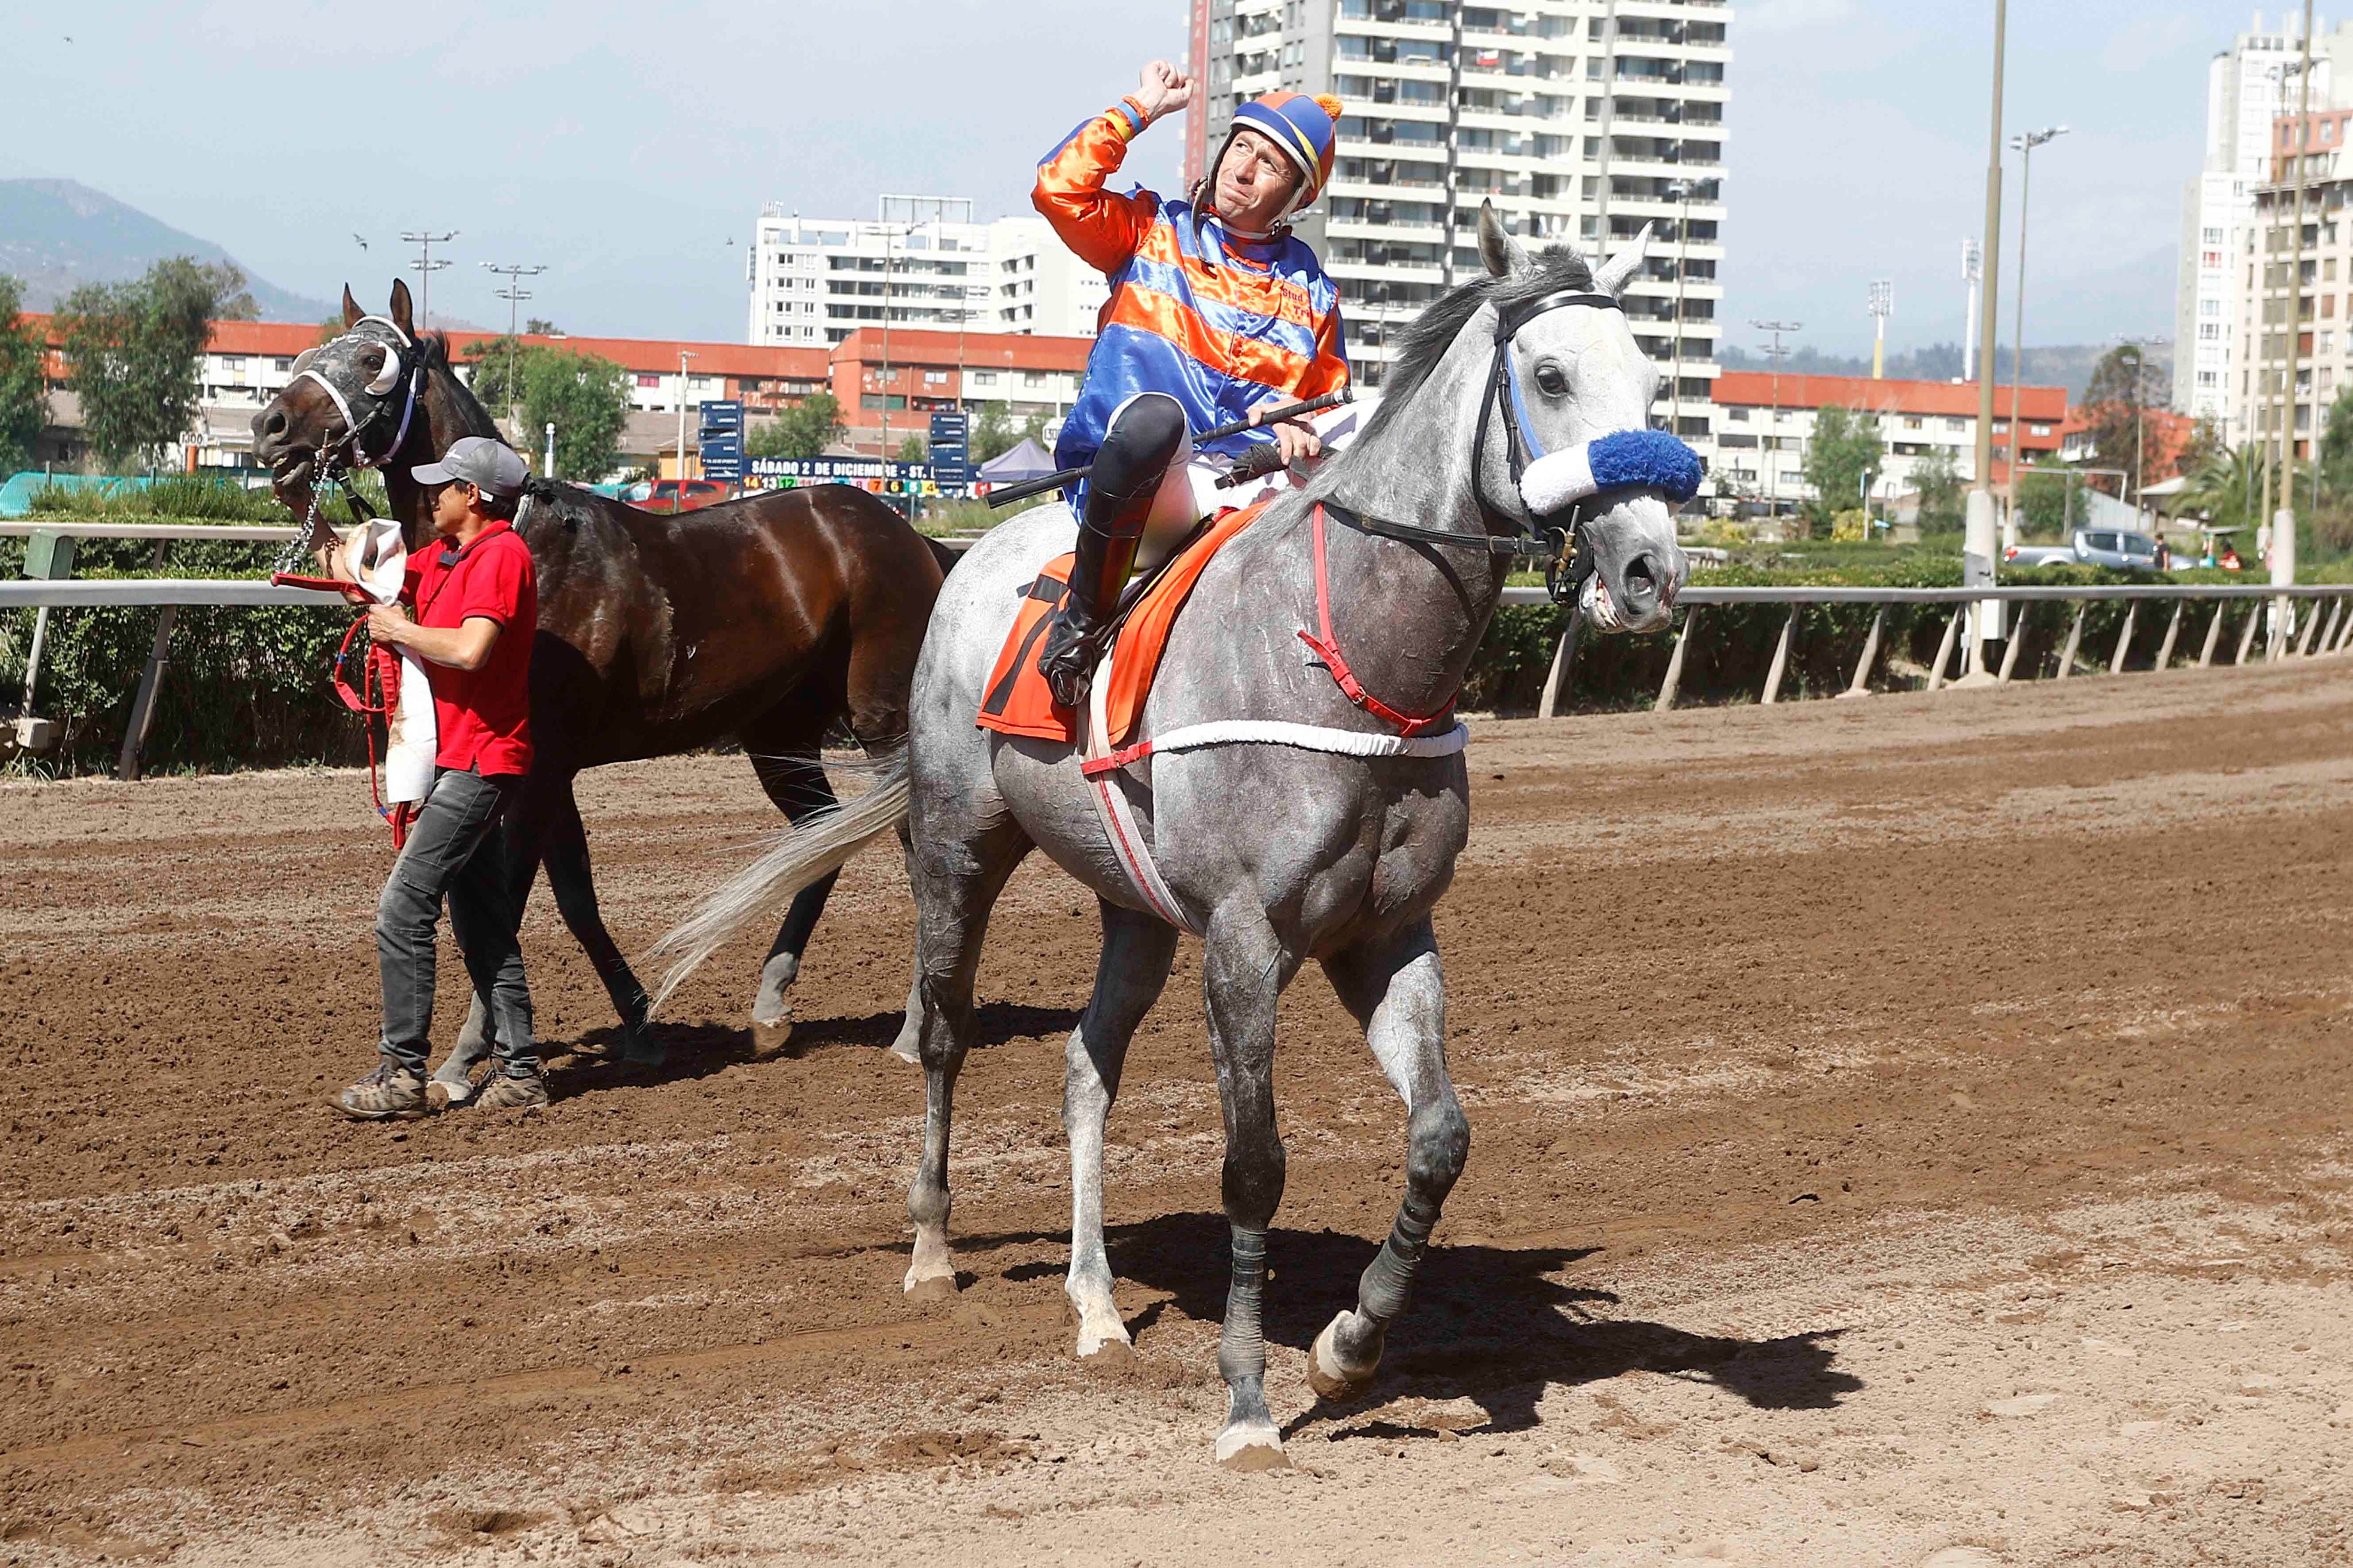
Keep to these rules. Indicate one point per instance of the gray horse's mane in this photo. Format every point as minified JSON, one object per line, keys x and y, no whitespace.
{"x":1434,"y":331}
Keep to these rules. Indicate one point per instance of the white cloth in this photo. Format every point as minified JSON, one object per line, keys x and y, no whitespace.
{"x":379,"y":557}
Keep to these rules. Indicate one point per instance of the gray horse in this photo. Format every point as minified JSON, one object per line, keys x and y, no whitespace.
{"x":1317,"y":832}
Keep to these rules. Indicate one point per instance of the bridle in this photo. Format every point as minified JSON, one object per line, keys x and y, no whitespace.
{"x":335,"y":461}
{"x":1565,"y":547}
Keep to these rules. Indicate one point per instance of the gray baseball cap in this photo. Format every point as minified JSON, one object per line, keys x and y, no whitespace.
{"x":488,"y":464}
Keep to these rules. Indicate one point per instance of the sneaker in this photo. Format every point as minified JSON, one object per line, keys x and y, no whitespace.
{"x":504,"y":1090}
{"x":387,"y":1094}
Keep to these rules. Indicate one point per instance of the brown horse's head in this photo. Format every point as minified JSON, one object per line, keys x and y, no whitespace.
{"x":349,"y":403}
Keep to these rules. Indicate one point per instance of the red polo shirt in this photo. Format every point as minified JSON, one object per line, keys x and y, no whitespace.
{"x":481,"y":717}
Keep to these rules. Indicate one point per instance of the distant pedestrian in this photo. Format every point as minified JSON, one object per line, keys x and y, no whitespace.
{"x":477,"y":603}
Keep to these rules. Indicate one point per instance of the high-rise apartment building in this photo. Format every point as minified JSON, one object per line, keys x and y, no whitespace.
{"x":1580,"y":119}
{"x":921,"y":262}
{"x":2248,"y":87}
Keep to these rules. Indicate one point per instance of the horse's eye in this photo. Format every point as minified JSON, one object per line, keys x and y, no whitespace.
{"x":1550,"y":380}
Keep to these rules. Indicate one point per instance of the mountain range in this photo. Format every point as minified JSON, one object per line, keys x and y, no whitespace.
{"x":55,"y":235}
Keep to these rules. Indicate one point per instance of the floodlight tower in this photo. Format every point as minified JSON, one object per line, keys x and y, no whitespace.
{"x":426,"y":266}
{"x":1972,"y":274}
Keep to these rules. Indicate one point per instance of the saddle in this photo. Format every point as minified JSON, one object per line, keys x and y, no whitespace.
{"x":1017,"y":701}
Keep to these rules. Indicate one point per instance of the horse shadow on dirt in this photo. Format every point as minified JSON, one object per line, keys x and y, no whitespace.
{"x":591,"y":1064}
{"x":1488,"y":1323}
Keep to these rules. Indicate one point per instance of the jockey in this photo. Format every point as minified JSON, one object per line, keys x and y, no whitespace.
{"x":1216,"y":311}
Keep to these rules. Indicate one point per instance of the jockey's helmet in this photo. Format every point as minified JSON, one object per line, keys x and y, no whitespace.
{"x":1305,"y":128}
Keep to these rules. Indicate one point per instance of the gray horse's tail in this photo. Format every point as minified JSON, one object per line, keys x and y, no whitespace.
{"x":815,"y":848}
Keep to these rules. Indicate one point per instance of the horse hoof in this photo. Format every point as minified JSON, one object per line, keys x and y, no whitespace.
{"x":1106,"y":1351}
{"x":934,"y":1287}
{"x":1255,"y":1445}
{"x":1327,"y":1378}
{"x":776,"y":976}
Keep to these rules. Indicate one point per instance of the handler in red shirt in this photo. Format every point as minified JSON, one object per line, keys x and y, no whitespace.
{"x":477,"y":612}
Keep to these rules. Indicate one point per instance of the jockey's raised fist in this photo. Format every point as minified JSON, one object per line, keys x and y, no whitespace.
{"x":1161,"y":88}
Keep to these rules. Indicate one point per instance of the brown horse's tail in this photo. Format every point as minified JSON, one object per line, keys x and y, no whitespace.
{"x":810,"y":849}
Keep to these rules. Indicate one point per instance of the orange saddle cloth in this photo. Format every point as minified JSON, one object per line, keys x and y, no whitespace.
{"x":1016,"y":701}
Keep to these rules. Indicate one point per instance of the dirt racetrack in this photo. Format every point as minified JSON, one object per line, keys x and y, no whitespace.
{"x":1912,"y":1132}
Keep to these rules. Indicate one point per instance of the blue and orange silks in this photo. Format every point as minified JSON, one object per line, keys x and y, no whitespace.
{"x":1220,"y":323}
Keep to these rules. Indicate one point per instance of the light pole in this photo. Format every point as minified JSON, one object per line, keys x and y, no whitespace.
{"x":2024,"y":143}
{"x":515,"y":294}
{"x":426,"y":266}
{"x":1683,"y":194}
{"x":678,"y":497}
{"x":1980,"y":536}
{"x":1881,"y":306}
{"x":1972,"y":274}
{"x":2140,"y":395}
{"x":1777,"y":353}
{"x":2283,"y":562}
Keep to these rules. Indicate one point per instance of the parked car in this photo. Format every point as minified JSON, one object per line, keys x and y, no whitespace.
{"x":662,"y":495}
{"x":2119,"y":550}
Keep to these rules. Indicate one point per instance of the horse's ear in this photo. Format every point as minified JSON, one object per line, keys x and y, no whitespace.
{"x":352,"y":311}
{"x":401,"y":309}
{"x":1624,"y":265}
{"x":1497,"y":249}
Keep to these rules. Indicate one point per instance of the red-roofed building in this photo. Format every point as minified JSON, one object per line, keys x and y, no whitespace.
{"x":1764,"y":423}
{"x":913,"y":372}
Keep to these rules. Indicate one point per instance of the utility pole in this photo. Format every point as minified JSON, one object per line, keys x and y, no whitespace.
{"x":1972,"y":274}
{"x":2140,"y":396}
{"x":515,"y":294}
{"x":677,"y":499}
{"x":1777,"y":353}
{"x":1980,"y":537}
{"x":1881,"y":306}
{"x":2024,"y":143}
{"x":426,"y":266}
{"x":886,"y":345}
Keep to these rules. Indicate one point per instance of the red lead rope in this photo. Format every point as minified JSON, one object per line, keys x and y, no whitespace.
{"x":1327,"y":650}
{"x":375,"y":696}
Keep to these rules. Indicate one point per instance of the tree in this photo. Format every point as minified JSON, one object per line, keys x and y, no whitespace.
{"x":1936,"y":480}
{"x":993,"y":433}
{"x":2122,"y":391}
{"x":2044,"y":504}
{"x":803,"y":431}
{"x":24,"y":386}
{"x":1844,"y":455}
{"x":541,"y":327}
{"x":914,"y":450}
{"x":585,"y":396}
{"x":135,"y":353}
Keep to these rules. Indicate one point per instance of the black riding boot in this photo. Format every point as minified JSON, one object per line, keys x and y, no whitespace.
{"x":1122,"y":481}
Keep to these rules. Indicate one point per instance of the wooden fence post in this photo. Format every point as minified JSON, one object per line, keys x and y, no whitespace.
{"x":2344,"y":636}
{"x":1563,"y":658}
{"x":2247,"y":636}
{"x":1675,"y":664}
{"x":2172,"y":631}
{"x":2311,"y":625}
{"x":1945,"y":651}
{"x":2017,"y":636}
{"x":2124,"y":638}
{"x":1781,"y":658}
{"x":2328,"y":632}
{"x":151,"y":680}
{"x":2213,"y":634}
{"x":2074,"y":641}
{"x":1861,"y":685}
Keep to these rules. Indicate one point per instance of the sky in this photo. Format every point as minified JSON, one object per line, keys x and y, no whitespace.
{"x":626,"y":147}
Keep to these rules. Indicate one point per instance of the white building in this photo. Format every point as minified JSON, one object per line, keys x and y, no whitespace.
{"x":921,"y":262}
{"x":1580,"y":119}
{"x":2248,"y":85}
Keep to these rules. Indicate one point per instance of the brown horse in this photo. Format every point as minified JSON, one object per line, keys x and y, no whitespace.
{"x":771,"y":620}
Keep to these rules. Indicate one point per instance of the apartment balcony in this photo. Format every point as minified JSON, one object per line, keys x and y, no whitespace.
{"x":1392,"y":271}
{"x":1377,"y":229}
